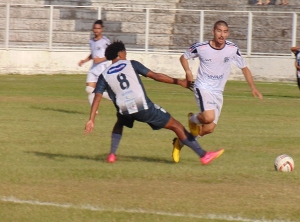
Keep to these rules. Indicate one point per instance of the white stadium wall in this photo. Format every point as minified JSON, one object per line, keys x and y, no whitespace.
{"x":30,"y":62}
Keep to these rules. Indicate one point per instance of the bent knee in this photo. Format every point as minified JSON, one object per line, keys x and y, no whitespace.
{"x":207,"y":131}
{"x":207,"y":119}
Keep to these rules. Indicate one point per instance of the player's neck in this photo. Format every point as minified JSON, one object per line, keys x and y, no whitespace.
{"x":117,"y":59}
{"x":97,"y":37}
{"x":217,"y":45}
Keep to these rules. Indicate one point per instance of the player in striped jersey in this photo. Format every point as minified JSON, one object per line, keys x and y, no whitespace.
{"x":216,"y":57}
{"x":98,"y":44}
{"x":296,"y":51}
{"x":125,"y":88}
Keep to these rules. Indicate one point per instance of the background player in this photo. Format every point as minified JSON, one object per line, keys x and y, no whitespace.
{"x":98,"y":44}
{"x":216,"y":57}
{"x":123,"y":83}
{"x":296,"y":51}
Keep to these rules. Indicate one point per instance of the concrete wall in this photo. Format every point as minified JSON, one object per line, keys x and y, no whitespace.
{"x":61,"y":62}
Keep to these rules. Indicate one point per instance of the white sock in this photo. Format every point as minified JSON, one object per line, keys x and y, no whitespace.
{"x":197,"y":137}
{"x":194,"y":119}
{"x":91,"y":98}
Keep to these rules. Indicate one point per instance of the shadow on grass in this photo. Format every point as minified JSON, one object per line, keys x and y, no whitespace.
{"x":281,"y":96}
{"x":102,"y":158}
{"x":58,"y":110}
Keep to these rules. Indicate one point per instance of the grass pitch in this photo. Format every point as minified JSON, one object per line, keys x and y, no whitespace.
{"x":51,"y":171}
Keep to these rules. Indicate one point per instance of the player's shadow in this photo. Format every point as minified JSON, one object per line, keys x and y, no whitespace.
{"x":57,"y":110}
{"x":281,"y":96}
{"x":101,"y":158}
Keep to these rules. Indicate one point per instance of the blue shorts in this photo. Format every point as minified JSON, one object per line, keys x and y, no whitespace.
{"x":155,"y":116}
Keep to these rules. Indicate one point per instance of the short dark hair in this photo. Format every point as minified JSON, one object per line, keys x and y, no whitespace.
{"x":220,"y":22}
{"x":113,"y":49}
{"x":98,"y":22}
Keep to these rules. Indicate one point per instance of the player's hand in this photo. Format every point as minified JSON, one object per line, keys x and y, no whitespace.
{"x":256,"y":93}
{"x":81,"y":62}
{"x":190,"y":85}
{"x":89,"y":126}
{"x":186,"y":84}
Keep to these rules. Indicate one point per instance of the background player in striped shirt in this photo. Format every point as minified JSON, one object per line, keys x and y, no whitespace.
{"x":98,"y":44}
{"x":125,"y":88}
{"x":296,"y":51}
{"x":216,"y":57}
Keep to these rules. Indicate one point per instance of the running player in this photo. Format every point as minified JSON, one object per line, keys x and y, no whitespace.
{"x":296,"y":51}
{"x":216,"y":57}
{"x":98,"y":44}
{"x":122,"y":81}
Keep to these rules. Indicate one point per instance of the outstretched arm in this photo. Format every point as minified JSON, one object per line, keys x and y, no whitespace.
{"x":89,"y":126}
{"x":185,"y":64}
{"x":160,"y":77}
{"x":248,"y":76}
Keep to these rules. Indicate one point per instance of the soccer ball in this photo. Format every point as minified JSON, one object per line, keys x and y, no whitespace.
{"x":284,"y":163}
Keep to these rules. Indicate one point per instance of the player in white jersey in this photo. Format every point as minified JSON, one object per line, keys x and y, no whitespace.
{"x":98,"y":44}
{"x":216,"y":57}
{"x":296,"y":51}
{"x":125,"y":88}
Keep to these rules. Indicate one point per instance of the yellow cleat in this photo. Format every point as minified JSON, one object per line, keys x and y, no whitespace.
{"x":176,"y":150}
{"x":194,"y":128}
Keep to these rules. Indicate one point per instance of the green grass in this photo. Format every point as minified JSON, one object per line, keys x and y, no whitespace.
{"x":46,"y":160}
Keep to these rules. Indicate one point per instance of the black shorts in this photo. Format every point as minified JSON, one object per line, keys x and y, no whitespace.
{"x":155,"y":116}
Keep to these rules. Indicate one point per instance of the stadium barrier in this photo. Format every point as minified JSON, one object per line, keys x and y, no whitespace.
{"x":42,"y":36}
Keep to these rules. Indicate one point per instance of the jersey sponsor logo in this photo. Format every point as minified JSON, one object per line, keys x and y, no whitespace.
{"x":116,"y":69}
{"x":214,"y":77}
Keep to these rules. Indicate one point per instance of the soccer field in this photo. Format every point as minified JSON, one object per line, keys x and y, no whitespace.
{"x":51,"y":171}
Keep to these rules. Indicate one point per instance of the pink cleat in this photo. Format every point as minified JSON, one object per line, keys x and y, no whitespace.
{"x":210,"y":156}
{"x":111,"y":158}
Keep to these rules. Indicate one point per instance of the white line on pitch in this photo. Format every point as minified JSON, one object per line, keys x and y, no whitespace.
{"x":12,"y":199}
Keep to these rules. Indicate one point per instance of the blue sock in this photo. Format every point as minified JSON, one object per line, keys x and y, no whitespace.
{"x":115,"y":140}
{"x":194,"y":145}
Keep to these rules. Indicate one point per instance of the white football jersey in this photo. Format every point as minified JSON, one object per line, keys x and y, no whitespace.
{"x":98,"y":50}
{"x":215,"y":64}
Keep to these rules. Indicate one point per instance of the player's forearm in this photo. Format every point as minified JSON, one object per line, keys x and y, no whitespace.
{"x":88,"y":58}
{"x":249,"y":78}
{"x":99,"y":60}
{"x":160,"y":77}
{"x":95,"y":106}
{"x":185,"y":64}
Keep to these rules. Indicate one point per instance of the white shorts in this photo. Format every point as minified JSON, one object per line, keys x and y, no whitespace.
{"x":92,"y":77}
{"x":94,"y":72}
{"x":207,"y":100}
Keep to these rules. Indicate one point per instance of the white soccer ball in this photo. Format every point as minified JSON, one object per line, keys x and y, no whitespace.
{"x":284,"y":163}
